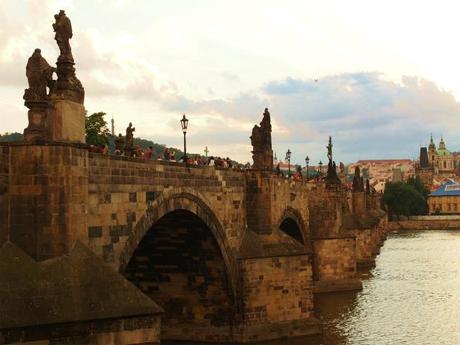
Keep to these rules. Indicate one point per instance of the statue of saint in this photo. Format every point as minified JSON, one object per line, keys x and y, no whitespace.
{"x":261,"y":141}
{"x":266,"y":127}
{"x":39,"y":75}
{"x":129,"y":137}
{"x":119,"y":144}
{"x":63,"y":29}
{"x":358,"y":182}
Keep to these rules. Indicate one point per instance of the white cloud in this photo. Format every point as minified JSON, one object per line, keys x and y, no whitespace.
{"x":222,"y":63}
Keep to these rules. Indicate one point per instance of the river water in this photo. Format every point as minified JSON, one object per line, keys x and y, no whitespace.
{"x":412,"y":296}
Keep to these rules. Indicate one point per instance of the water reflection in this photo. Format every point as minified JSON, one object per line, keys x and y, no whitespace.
{"x":412,"y":296}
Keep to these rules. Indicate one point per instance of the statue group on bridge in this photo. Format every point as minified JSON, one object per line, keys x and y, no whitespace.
{"x":43,"y":89}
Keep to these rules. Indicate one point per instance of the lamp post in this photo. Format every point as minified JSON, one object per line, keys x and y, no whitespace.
{"x":184,"y":125}
{"x":288,"y":158}
{"x":307,"y":160}
{"x":320,"y":167}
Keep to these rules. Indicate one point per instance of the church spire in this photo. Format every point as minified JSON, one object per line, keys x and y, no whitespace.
{"x":442,"y":144}
{"x":432,"y":146}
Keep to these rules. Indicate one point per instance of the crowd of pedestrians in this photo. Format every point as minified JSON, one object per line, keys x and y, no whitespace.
{"x":170,"y":156}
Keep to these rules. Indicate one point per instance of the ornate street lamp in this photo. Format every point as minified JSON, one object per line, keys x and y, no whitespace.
{"x":184,"y":125}
{"x":307,"y":161}
{"x":320,"y":167}
{"x":288,"y":158}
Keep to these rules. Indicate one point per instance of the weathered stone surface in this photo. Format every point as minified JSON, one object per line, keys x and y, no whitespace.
{"x":41,"y":301}
{"x":66,"y":121}
{"x":47,"y":196}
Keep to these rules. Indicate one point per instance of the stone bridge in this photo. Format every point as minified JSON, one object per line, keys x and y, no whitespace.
{"x":229,"y":256}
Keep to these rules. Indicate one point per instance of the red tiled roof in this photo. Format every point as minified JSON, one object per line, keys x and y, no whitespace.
{"x":382,"y":161}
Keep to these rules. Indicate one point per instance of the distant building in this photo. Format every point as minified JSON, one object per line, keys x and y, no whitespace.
{"x":397,"y":175}
{"x":446,"y":199}
{"x":437,"y":164}
{"x":441,"y":158}
{"x":381,"y":171}
{"x":424,"y":170}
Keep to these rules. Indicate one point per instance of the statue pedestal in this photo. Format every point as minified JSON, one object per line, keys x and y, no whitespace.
{"x":66,"y":121}
{"x":36,"y":130}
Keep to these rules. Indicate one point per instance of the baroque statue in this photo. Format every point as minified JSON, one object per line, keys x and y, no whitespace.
{"x":119,"y":144}
{"x":261,"y":141}
{"x":358,"y":182}
{"x":129,"y":140}
{"x":67,"y":86}
{"x":63,"y":29}
{"x":39,"y":76}
{"x":332,"y":179}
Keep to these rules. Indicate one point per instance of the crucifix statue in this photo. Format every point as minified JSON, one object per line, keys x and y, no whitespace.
{"x":329,"y":149}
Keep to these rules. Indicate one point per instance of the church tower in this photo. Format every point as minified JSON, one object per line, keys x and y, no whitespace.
{"x":432,"y":152}
{"x":442,"y":144}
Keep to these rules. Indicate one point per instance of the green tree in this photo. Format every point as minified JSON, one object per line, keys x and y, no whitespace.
{"x":11,"y":137}
{"x":417,"y":183}
{"x":404,"y":199}
{"x":97,"y":132}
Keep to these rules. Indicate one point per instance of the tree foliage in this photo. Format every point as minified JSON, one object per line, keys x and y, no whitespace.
{"x":97,"y":132}
{"x":405,"y":199}
{"x":11,"y":137}
{"x":417,"y":183}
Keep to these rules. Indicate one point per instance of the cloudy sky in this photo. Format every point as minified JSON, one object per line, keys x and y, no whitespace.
{"x":388,"y":72}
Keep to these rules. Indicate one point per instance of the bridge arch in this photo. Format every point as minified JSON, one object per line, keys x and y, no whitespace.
{"x":292,"y":224}
{"x":178,"y":254}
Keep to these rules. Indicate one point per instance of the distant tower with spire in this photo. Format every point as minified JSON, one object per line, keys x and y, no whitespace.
{"x":432,"y":151}
{"x":113,"y":126}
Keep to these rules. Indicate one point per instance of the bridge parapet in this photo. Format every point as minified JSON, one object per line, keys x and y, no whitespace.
{"x":122,"y":189}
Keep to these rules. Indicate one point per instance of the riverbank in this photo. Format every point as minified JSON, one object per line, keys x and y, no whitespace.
{"x":427,"y":223}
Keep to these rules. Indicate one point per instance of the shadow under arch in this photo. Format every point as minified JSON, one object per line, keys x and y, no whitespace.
{"x":292,"y":224}
{"x":198,"y":228}
{"x":165,"y":204}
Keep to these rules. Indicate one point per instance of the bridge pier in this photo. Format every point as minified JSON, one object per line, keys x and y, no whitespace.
{"x":334,"y":248}
{"x":275,"y":260}
{"x":46,"y":197}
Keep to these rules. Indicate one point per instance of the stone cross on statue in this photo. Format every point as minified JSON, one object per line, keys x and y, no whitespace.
{"x":206,"y":151}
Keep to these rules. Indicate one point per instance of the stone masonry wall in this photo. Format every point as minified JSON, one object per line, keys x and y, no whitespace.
{"x":271,"y":198}
{"x":121,"y":190}
{"x":287,"y":196}
{"x":4,"y":193}
{"x":128,"y":331}
{"x":47,"y":197}
{"x":335,"y":259}
{"x":272,"y":298}
{"x":325,"y":208}
{"x":436,"y":224}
